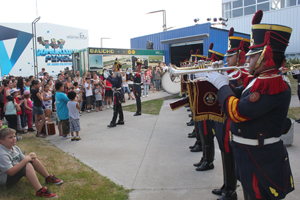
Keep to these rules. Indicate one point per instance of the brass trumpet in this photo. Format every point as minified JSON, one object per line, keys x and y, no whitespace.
{"x":294,"y":69}
{"x":215,"y":66}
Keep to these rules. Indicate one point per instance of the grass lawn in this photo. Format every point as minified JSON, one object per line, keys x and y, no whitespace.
{"x":294,"y":113}
{"x":294,"y":85}
{"x":148,"y":107}
{"x":80,"y":181}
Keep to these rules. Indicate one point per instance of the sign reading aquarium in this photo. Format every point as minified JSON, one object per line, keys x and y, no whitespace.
{"x":125,"y":51}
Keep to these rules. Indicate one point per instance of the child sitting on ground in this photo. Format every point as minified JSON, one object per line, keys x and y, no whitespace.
{"x":98,"y":95}
{"x":14,"y":165}
{"x":74,"y":109}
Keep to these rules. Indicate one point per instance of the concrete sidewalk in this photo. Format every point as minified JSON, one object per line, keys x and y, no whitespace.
{"x":150,"y":154}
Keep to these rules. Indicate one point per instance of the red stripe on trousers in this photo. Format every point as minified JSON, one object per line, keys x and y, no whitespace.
{"x":204,"y":127}
{"x":226,"y":139}
{"x":255,"y":187}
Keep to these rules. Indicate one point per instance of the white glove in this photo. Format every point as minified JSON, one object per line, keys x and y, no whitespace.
{"x":217,"y":79}
{"x":106,"y":74}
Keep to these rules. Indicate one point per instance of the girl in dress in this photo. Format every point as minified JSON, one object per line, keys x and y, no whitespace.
{"x":47,"y":97}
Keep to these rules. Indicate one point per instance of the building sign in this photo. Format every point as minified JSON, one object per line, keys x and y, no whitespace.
{"x":125,"y":51}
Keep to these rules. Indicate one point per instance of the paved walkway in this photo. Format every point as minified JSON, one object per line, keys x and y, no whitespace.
{"x":150,"y":154}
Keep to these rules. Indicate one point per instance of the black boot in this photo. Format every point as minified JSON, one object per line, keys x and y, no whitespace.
{"x":189,"y":110}
{"x":208,"y":155}
{"x":190,"y":115}
{"x":206,"y":165}
{"x":191,"y":147}
{"x":228,"y":195}
{"x":199,"y":163}
{"x":218,"y":191}
{"x":197,"y":148}
{"x":190,"y":123}
{"x":230,"y":181}
{"x":120,"y":122}
{"x":192,"y":135}
{"x":111,"y":125}
{"x":137,"y":114}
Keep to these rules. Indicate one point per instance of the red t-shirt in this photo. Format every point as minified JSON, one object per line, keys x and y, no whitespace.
{"x":17,"y":101}
{"x":108,"y":84}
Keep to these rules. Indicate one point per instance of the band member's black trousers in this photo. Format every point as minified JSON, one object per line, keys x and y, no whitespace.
{"x":117,"y":110}
{"x":137,"y":94}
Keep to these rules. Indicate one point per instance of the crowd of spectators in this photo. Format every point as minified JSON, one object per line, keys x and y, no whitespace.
{"x":29,"y":102}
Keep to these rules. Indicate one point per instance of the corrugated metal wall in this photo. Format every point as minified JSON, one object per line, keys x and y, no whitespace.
{"x":287,"y":16}
{"x":218,"y":36}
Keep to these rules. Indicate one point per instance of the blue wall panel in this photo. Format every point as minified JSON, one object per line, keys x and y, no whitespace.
{"x":218,"y":36}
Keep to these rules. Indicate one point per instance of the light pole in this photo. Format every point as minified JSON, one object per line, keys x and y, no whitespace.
{"x":35,"y":46}
{"x":164,"y":19}
{"x":102,"y":39}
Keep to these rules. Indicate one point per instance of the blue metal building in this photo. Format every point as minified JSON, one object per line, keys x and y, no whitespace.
{"x":177,"y":43}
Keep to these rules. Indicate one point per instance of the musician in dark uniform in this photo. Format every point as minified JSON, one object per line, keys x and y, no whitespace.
{"x":237,"y":48}
{"x":257,"y":115}
{"x":206,"y":127}
{"x":116,"y":81}
{"x":137,"y":81}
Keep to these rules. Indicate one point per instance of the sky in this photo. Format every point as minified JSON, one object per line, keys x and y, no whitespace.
{"x":118,"y":20}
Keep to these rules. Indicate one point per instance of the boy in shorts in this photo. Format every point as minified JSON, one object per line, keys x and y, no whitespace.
{"x":74,"y":109}
{"x":62,"y":109}
{"x":14,"y":165}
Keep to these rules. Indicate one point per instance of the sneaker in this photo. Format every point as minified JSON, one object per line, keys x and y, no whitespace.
{"x":107,"y":106}
{"x":52,"y":179}
{"x":31,"y":130}
{"x":19,"y":138}
{"x":26,"y":127}
{"x":77,"y":138}
{"x":88,"y":111}
{"x":44,"y":192}
{"x":33,"y":125}
{"x":147,"y":95}
{"x":80,"y":112}
{"x":133,"y":98}
{"x":72,"y":138}
{"x":111,"y":106}
{"x":92,"y":109}
{"x":128,"y":98}
{"x":65,"y":137}
{"x":143,"y":96}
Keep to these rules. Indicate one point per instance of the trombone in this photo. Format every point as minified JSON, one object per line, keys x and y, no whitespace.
{"x":215,"y":66}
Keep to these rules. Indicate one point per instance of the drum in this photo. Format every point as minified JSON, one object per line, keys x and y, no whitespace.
{"x":50,"y":130}
{"x":171,"y":87}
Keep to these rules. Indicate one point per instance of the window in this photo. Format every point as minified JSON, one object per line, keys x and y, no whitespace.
{"x":249,"y":2}
{"x":227,"y":14}
{"x":291,"y":2}
{"x":277,"y":4}
{"x":259,"y":1}
{"x":263,"y":6}
{"x":237,"y":3}
{"x":237,"y":12}
{"x":249,"y":10}
{"x":226,"y":6}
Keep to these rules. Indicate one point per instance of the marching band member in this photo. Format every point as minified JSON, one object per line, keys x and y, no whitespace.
{"x":237,"y":46}
{"x":137,"y":81}
{"x":257,"y":114}
{"x":116,"y":81}
{"x":206,"y":120}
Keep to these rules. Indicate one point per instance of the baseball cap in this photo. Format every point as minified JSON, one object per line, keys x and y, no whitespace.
{"x":13,"y":90}
{"x":26,"y":92}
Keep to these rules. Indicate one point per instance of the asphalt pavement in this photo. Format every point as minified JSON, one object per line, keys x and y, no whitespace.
{"x":150,"y":154}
